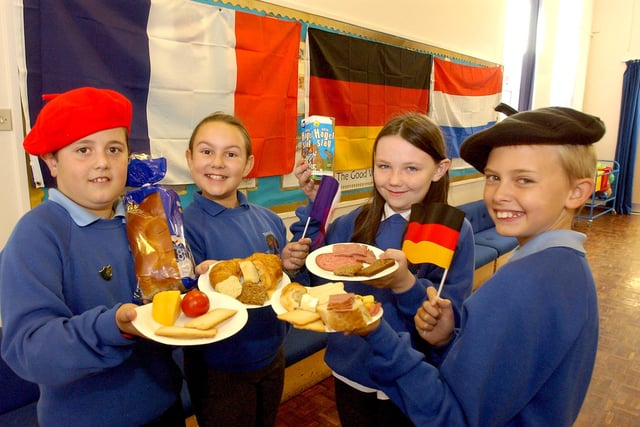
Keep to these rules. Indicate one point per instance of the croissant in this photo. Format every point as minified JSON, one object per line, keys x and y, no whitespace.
{"x":223,"y":270}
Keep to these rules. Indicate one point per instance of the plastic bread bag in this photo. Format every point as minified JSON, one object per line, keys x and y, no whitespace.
{"x":161,"y":256}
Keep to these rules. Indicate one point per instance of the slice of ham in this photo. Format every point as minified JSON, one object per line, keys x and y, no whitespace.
{"x":349,"y":249}
{"x":330,"y":262}
{"x":356,"y":250}
{"x":344,"y":254}
{"x":341,"y":302}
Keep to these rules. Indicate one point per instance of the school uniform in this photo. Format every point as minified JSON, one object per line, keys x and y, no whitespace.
{"x":347,"y":355}
{"x":63,"y":274}
{"x":255,"y":354}
{"x":523,"y":355}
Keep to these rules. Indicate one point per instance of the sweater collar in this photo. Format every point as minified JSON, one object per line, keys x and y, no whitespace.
{"x":388,"y":213}
{"x":549,"y":239}
{"x":214,"y":208}
{"x":80,"y":215}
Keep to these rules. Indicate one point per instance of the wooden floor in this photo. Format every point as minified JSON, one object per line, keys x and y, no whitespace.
{"x":613,"y":399}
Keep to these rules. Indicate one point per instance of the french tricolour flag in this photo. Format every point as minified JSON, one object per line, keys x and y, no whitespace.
{"x":463,"y":99}
{"x":177,"y":61}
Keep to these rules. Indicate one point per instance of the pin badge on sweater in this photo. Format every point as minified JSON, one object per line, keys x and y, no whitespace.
{"x":106,"y":272}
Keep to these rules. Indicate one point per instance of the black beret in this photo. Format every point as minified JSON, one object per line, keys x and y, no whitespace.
{"x":550,"y":125}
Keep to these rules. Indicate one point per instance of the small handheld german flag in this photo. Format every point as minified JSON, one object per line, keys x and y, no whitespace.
{"x":432,"y":234}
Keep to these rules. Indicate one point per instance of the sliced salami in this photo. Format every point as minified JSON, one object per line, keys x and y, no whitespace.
{"x":330,"y":261}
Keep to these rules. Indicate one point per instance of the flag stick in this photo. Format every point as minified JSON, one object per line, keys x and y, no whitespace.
{"x":444,"y":276}
{"x":304,"y":232}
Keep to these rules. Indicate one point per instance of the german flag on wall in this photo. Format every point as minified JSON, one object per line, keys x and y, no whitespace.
{"x":432,"y":234}
{"x":363,"y":84}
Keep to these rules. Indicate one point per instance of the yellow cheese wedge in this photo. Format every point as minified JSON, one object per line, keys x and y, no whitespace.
{"x":165,"y":307}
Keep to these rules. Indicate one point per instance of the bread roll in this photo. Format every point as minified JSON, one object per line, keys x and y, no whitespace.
{"x":249,"y":271}
{"x":291,"y":295}
{"x":223,"y":270}
{"x":269,"y":268}
{"x":230,"y":286}
{"x":152,"y":248}
{"x":345,"y":319}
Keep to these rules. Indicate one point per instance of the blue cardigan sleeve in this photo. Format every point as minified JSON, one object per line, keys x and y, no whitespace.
{"x":458,"y":283}
{"x":35,"y":314}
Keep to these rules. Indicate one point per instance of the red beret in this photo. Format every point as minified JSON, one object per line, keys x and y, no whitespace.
{"x":550,"y":125}
{"x":69,"y":116}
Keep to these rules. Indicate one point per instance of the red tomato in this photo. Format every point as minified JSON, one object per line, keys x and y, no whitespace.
{"x":194,"y":303}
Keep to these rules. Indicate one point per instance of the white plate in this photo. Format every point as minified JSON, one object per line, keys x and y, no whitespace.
{"x":315,"y":269}
{"x":146,"y":325}
{"x":204,"y":284}
{"x":279,"y":309}
{"x":275,"y":302}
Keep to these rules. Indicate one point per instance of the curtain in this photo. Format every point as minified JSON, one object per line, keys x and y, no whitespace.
{"x":529,"y":59}
{"x":628,"y":136}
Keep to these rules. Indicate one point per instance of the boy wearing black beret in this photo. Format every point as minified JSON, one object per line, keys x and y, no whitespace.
{"x":66,"y":277}
{"x":526,"y":346}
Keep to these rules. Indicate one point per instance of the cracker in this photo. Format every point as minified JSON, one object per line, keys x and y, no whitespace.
{"x":186,"y":333}
{"x":211,"y":319}
{"x":299,"y":317}
{"x":315,"y":326}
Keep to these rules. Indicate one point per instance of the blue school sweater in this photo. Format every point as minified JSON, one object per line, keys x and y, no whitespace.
{"x":219,"y":233}
{"x":58,"y":321}
{"x":347,"y":355}
{"x":524,"y":353}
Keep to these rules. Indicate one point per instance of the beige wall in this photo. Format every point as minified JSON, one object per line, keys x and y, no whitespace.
{"x":615,"y":38}
{"x":13,"y":174}
{"x":453,"y":25}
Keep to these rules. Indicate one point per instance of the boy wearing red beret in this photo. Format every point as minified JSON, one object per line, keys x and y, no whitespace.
{"x":66,"y":277}
{"x":526,"y":346}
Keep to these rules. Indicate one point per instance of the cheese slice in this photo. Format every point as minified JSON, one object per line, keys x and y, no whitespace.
{"x":165,"y":307}
{"x":323,"y":292}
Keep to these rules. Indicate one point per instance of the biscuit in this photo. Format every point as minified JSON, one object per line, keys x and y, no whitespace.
{"x":210,"y":319}
{"x":179,"y":332}
{"x":376,"y":267}
{"x":299,"y":317}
